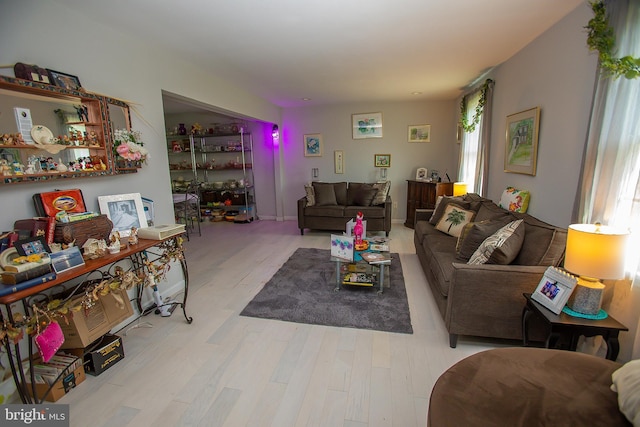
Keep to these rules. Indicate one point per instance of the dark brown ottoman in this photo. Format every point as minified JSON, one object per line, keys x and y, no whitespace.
{"x":526,"y":387}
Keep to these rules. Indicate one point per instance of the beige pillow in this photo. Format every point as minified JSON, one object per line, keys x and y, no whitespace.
{"x":626,"y":382}
{"x":501,"y":247}
{"x":453,"y":220}
{"x":444,"y":202}
{"x":383,"y":191}
{"x":311,"y":197}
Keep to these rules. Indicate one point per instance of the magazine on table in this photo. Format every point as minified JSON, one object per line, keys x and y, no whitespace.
{"x":376,"y":257}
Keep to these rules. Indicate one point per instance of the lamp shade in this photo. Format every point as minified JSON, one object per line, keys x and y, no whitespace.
{"x":459,"y":188}
{"x":596,"y":251}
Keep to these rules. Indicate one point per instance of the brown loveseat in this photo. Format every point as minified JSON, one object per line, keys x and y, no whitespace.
{"x":484,"y":300}
{"x":329,"y":206}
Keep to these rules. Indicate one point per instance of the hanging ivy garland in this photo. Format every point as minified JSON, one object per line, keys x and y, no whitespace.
{"x":601,"y":38}
{"x":470,"y":126}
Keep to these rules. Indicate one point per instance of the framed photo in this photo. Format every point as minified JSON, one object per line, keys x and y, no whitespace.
{"x":313,"y":145}
{"x":64,"y":80}
{"x":32,"y":245}
{"x":125,"y":211}
{"x":521,"y":147}
{"x":382,"y":160}
{"x":554,"y":289}
{"x":419,"y":133}
{"x":366,"y":125}
{"x":66,"y":259}
{"x":338,"y":160}
{"x":421,"y":174}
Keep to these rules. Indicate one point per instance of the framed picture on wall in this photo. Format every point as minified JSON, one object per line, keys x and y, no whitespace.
{"x":313,"y":145}
{"x":521,"y":146}
{"x":366,"y":125}
{"x":338,"y":160}
{"x":382,"y":160}
{"x":419,"y":133}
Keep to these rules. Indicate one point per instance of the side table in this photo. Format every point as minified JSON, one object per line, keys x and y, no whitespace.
{"x":564,"y":327}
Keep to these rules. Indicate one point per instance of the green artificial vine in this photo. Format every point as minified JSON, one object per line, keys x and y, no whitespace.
{"x":601,"y":38}
{"x":470,"y":126}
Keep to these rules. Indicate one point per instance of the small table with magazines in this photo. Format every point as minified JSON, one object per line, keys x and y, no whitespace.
{"x":368,"y":268}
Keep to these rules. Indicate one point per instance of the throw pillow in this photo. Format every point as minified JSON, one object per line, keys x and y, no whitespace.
{"x":442,"y":206}
{"x":454,"y":219}
{"x":435,"y":208}
{"x":325,"y":195}
{"x":626,"y":382}
{"x":311,"y":195}
{"x":381,"y":194}
{"x":515,"y":200}
{"x":364,"y":196}
{"x":501,"y":247}
{"x":473,"y":234}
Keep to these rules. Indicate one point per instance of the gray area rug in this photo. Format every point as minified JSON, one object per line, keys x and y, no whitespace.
{"x":302,"y":291}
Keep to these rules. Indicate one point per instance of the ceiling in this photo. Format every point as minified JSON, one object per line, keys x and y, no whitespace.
{"x":337,"y":51}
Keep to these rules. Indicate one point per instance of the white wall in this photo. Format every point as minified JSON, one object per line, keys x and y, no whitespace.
{"x":111,"y":63}
{"x":556,"y":72}
{"x":334,"y":123}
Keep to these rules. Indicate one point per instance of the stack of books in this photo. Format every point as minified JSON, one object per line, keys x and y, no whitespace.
{"x":22,"y":276}
{"x":359,"y":279}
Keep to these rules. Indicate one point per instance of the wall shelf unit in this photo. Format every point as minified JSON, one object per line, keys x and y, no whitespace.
{"x":222,"y":165}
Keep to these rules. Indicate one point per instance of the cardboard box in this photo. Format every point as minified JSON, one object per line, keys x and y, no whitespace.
{"x":86,"y":326}
{"x":103,"y":354}
{"x":60,"y":388}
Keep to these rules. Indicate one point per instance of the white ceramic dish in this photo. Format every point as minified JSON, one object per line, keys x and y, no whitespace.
{"x":42,"y":135}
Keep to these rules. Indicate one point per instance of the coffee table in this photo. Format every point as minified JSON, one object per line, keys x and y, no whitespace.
{"x":376,"y":268}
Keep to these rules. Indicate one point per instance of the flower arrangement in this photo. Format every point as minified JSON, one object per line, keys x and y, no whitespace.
{"x":128,"y":145}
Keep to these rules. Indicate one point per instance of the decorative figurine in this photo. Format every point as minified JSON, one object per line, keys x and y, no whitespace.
{"x":5,"y":169}
{"x":133,"y":237}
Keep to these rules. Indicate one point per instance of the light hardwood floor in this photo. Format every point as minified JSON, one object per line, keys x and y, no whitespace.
{"x":228,"y":370}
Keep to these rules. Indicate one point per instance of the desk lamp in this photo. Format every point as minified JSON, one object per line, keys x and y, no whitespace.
{"x":593,"y":252}
{"x":459,"y":188}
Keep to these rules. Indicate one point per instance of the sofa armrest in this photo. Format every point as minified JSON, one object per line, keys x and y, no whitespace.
{"x":423,"y":215}
{"x":302,"y":203}
{"x":488,"y":296}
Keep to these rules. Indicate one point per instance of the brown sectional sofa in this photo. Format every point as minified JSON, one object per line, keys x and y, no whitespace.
{"x":337,"y":203}
{"x":485,"y":300}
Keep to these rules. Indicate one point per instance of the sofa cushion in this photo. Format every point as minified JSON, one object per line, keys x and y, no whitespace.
{"x":474,"y":233}
{"x":489,"y":210}
{"x":310,"y":194}
{"x":444,"y":202}
{"x":502,"y":246}
{"x":383,"y":191}
{"x":367,"y":211}
{"x":441,"y":265}
{"x":543,"y":244}
{"x":334,"y":211}
{"x":454,"y":219}
{"x":325,"y":194}
{"x":364,"y":196}
{"x":340,"y":188}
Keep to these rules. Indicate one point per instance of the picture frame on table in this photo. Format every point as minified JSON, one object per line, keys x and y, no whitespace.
{"x":419,"y":133}
{"x":382,"y":160}
{"x":521,"y":145}
{"x":554,"y":289}
{"x":421,"y":174}
{"x":64,"y":80}
{"x":31,"y":246}
{"x":313,"y":145}
{"x":125,"y":211}
{"x":366,"y":125}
